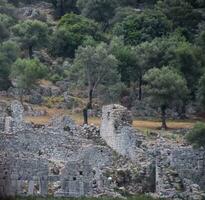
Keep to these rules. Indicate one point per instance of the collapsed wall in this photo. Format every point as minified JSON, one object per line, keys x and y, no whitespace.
{"x":63,"y":159}
{"x":118,"y":133}
{"x":54,"y":159}
{"x":179,"y":171}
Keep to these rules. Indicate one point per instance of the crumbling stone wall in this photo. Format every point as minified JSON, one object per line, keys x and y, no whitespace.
{"x":76,"y":180}
{"x":190,"y":164}
{"x":117,"y":131}
{"x":63,"y":159}
{"x":178,"y":170}
{"x":22,"y":176}
{"x":55,"y":159}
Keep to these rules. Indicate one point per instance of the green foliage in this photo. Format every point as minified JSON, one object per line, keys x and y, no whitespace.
{"x":5,"y":23}
{"x":94,"y":67}
{"x":31,"y":34}
{"x":121,"y":13}
{"x":100,"y":10}
{"x":64,"y":6}
{"x":142,"y":27}
{"x":96,"y":64}
{"x":152,"y":34}
{"x":127,"y":59}
{"x":8,"y":54}
{"x":27,"y":72}
{"x":71,"y":32}
{"x":197,"y":135}
{"x":165,"y":86}
{"x":189,"y":60}
{"x":200,"y":40}
{"x":182,"y":13}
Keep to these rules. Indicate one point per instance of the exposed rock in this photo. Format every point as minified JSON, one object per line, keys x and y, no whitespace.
{"x":35,"y":98}
{"x":17,"y":111}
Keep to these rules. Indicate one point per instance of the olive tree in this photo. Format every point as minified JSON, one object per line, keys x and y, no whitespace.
{"x":165,"y":87}
{"x":26,"y":73}
{"x":31,"y":34}
{"x":94,"y":65}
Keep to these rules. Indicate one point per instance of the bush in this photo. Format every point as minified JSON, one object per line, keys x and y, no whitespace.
{"x":197,"y":135}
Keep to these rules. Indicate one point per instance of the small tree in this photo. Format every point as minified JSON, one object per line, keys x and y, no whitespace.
{"x":94,"y":66}
{"x":27,"y":72}
{"x":197,"y":135}
{"x":31,"y":34}
{"x":165,"y":87}
{"x":9,"y":51}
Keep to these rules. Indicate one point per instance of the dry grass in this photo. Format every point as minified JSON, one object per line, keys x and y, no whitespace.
{"x":77,"y":117}
{"x":142,"y":124}
{"x":44,"y":119}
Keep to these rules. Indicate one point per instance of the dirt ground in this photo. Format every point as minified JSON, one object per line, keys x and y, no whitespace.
{"x":77,"y":117}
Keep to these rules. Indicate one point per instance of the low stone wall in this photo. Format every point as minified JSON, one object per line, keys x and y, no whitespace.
{"x":22,"y":176}
{"x":190,"y":164}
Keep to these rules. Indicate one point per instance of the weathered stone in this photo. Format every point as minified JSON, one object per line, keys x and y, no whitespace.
{"x":63,"y":159}
{"x":116,"y":130}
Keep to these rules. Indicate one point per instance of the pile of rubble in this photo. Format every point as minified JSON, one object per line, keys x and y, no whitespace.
{"x":64,"y":159}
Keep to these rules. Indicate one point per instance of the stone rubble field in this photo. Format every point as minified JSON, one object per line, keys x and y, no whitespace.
{"x":63,"y":159}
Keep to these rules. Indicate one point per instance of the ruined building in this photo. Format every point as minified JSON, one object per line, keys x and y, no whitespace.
{"x":63,"y":159}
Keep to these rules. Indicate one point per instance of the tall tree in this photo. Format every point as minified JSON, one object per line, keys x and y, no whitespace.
{"x":165,"y":87}
{"x":92,"y":67}
{"x":31,"y":34}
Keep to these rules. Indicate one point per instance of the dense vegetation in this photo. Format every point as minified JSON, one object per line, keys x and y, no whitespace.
{"x":114,"y":50}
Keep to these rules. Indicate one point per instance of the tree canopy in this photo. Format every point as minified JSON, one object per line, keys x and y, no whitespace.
{"x":165,"y":87}
{"x":31,"y":34}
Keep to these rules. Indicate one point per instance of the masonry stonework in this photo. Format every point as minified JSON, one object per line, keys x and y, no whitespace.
{"x":64,"y":159}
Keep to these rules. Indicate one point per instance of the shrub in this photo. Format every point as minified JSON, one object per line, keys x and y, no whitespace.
{"x":197,"y":135}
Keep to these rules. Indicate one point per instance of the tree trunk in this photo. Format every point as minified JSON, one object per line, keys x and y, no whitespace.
{"x":163,"y":113}
{"x":30,"y":52}
{"x":140,"y":89}
{"x":183,"y":111}
{"x":88,"y":106}
{"x":85,"y":115}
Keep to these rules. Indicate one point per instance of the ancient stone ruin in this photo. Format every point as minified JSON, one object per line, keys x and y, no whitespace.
{"x":64,"y":159}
